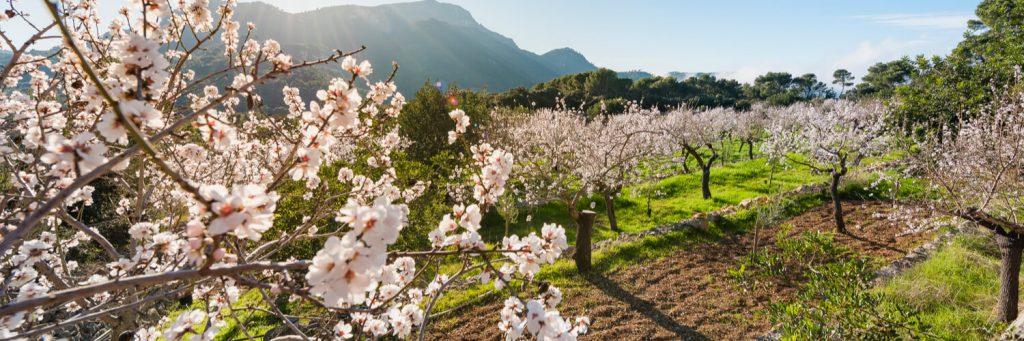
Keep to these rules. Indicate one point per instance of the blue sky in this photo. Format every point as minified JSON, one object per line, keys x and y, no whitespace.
{"x":739,"y":38}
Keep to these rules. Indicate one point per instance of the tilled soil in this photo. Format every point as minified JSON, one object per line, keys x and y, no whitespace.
{"x":688,"y":295}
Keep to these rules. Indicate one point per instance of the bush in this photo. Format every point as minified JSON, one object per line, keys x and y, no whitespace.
{"x":836,"y":304}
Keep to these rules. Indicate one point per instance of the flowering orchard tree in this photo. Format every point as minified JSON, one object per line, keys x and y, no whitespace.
{"x":568,"y":157}
{"x":614,"y":152}
{"x":696,"y":133}
{"x":981,"y":171}
{"x":748,"y":127}
{"x":547,"y":144}
{"x":196,"y":172}
{"x":826,"y":138}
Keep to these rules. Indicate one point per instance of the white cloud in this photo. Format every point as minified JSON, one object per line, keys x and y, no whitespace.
{"x":920,"y":20}
{"x":747,"y":74}
{"x":870,"y":52}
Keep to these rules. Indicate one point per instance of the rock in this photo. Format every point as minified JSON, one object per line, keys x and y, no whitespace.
{"x":715,"y":217}
{"x":1015,"y":331}
{"x":917,"y":255}
{"x":773,"y":335}
{"x":697,"y":223}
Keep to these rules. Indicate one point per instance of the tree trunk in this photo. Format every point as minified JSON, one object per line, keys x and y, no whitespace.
{"x":705,"y":168}
{"x":837,"y":206}
{"x":584,"y":233}
{"x":649,"y":211}
{"x":750,"y":149}
{"x":1009,"y":273}
{"x":705,"y":181}
{"x":686,"y":158}
{"x":725,"y":156}
{"x":609,"y":205}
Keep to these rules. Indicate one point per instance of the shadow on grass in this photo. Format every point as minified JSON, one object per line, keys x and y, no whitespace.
{"x":645,"y":308}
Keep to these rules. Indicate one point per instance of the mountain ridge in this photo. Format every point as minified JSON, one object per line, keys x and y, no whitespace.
{"x":430,"y":40}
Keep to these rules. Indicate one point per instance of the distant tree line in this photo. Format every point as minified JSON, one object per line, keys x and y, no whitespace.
{"x":589,"y":90}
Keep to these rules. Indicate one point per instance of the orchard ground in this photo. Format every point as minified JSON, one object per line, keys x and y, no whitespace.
{"x":679,"y":285}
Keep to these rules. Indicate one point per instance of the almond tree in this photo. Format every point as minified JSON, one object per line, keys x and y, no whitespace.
{"x":613,"y":153}
{"x":196,"y":172}
{"x":567,"y":158}
{"x":696,"y":133}
{"x":549,"y":145}
{"x":748,"y":127}
{"x":981,"y":171}
{"x":826,"y":138}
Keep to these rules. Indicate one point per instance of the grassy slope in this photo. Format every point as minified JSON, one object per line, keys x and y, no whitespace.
{"x":955,"y":289}
{"x":680,"y":199}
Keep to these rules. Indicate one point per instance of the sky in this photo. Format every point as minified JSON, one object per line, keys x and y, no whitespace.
{"x":740,"y":39}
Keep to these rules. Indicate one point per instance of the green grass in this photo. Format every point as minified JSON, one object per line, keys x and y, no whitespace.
{"x":257,"y":323}
{"x":955,"y":289}
{"x":680,"y":199}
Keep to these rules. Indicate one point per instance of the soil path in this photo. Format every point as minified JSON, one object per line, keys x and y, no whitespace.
{"x":688,"y":294}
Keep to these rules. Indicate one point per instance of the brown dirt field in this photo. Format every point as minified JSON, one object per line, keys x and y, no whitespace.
{"x":688,"y":295}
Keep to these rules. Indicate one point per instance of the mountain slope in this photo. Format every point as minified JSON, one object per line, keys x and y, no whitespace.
{"x":428,"y":39}
{"x":566,"y":60}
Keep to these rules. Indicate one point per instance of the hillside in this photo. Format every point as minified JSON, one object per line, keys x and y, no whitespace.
{"x":429,"y":40}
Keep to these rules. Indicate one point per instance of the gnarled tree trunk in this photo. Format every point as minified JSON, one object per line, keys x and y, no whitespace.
{"x":609,"y":205}
{"x":750,"y":149}
{"x":686,"y":159}
{"x":705,"y":181}
{"x":1011,"y":243}
{"x":837,"y":205}
{"x":1009,"y":274}
{"x":705,"y":168}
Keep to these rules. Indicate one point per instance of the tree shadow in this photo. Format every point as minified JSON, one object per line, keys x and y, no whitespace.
{"x":873,"y":242}
{"x":645,"y":308}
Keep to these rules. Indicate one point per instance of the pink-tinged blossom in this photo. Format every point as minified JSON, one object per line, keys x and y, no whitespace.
{"x":141,"y":113}
{"x":341,"y":271}
{"x":341,"y":103}
{"x":80,"y":154}
{"x":187,"y":322}
{"x":359,"y":69}
{"x":343,"y":331}
{"x":247,"y":211}
{"x":461,"y":123}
